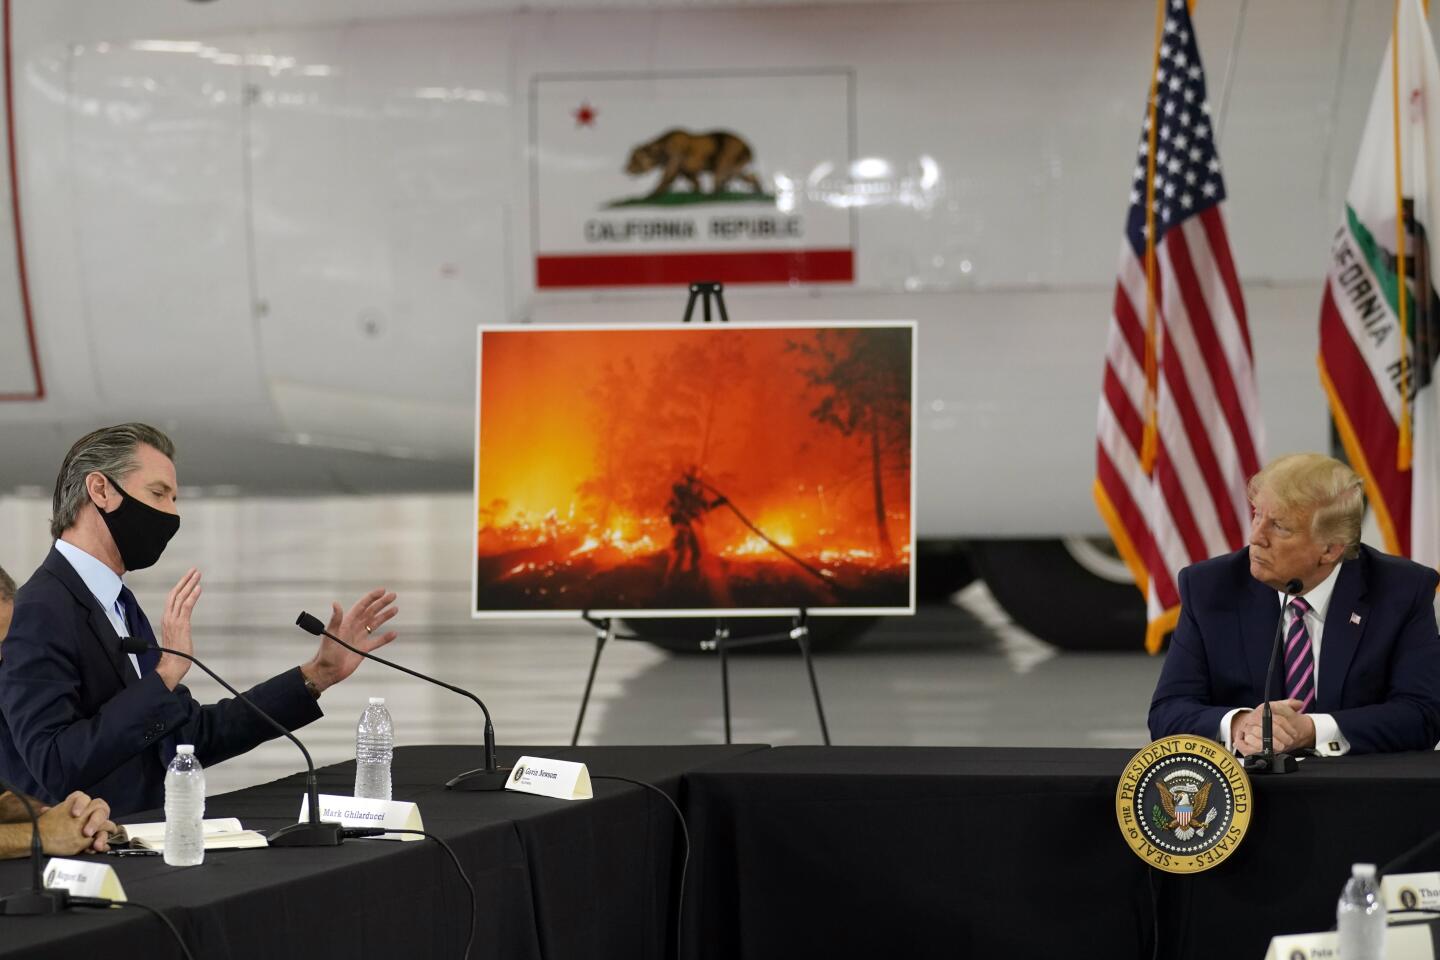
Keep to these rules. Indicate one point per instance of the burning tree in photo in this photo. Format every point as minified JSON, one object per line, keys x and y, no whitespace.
{"x":702,"y":468}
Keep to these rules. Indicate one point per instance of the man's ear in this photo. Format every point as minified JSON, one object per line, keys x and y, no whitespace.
{"x":98,"y":488}
{"x":1333,"y":552}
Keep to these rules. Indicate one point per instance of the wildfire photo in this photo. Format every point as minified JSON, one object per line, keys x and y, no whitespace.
{"x":699,"y":468}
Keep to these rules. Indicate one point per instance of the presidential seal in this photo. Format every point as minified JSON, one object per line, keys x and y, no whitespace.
{"x":1183,"y":804}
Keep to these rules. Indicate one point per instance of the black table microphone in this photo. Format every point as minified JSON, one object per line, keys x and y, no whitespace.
{"x":488,"y":777}
{"x":315,"y":832}
{"x":1267,"y":760}
{"x":38,"y":900}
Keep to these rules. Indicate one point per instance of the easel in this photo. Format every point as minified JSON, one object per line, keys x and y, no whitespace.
{"x":721,"y":642}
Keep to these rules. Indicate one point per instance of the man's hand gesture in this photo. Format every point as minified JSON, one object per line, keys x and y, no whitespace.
{"x":359,"y":627}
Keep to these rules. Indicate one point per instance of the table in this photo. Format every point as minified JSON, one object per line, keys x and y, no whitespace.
{"x":867,"y":851}
{"x":553,"y":879}
{"x":799,"y":852}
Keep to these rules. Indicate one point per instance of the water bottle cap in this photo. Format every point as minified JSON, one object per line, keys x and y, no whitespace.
{"x":185,"y":748}
{"x":377,"y":701}
{"x":1364,"y":870}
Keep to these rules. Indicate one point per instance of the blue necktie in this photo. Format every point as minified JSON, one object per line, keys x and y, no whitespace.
{"x":139,"y":627}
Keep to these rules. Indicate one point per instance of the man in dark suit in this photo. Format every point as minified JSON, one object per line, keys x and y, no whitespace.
{"x":7,"y":603}
{"x":1360,"y":664}
{"x":77,"y":713}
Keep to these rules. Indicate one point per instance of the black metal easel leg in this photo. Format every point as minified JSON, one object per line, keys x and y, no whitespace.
{"x":721,"y":641}
{"x":725,"y":688}
{"x":801,"y":633}
{"x":602,"y":633}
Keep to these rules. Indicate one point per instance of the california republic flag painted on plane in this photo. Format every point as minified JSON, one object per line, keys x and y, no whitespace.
{"x":665,"y":179}
{"x":1377,"y":352}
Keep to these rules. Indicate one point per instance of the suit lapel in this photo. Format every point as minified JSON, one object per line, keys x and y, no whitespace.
{"x":1257,"y":627}
{"x":102,"y":632}
{"x":1342,"y":636}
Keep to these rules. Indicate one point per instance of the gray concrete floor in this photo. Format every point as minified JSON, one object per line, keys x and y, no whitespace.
{"x":958,"y":674}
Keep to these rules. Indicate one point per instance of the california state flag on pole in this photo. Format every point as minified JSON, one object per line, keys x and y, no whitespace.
{"x":1378,"y":349}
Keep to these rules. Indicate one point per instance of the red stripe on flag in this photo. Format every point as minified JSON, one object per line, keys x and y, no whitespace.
{"x":1123,"y":410}
{"x":1179,"y":504}
{"x":1131,"y":329}
{"x":1214,"y":225}
{"x":1136,"y":527}
{"x":670,"y":269}
{"x":1202,"y":324}
{"x":1364,"y":405}
{"x":1202,"y":447}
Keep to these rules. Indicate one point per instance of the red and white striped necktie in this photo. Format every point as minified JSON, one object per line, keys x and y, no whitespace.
{"x":1299,"y":660}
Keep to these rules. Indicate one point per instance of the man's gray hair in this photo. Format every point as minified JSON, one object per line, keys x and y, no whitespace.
{"x":109,"y":450}
{"x":7,"y":587}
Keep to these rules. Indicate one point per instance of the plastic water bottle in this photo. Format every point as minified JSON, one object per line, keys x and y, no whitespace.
{"x":184,"y":809}
{"x":374,"y":745}
{"x":1360,"y":916}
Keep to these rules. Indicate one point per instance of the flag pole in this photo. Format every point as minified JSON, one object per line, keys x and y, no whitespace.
{"x":1150,"y":441}
{"x":1402,"y":293}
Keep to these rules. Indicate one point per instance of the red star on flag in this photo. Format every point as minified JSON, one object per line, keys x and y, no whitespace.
{"x":585,"y":116}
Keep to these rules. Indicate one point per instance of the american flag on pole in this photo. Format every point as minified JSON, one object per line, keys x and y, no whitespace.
{"x":1179,"y":430}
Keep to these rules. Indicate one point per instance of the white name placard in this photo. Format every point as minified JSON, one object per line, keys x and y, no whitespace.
{"x":84,"y":878}
{"x":363,"y":812}
{"x":1411,"y":891}
{"x":560,"y":779}
{"x":1406,"y":942}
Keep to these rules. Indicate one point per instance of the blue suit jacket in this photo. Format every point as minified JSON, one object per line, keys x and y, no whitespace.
{"x":1379,"y":678}
{"x":74,"y":716}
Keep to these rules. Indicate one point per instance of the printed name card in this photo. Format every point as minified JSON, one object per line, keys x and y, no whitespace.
{"x":1405,"y":942}
{"x":1411,"y":891}
{"x":363,"y":812}
{"x":84,"y":878}
{"x":560,"y":779}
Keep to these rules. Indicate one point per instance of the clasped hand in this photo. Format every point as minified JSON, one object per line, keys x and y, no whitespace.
{"x":1290,"y":729}
{"x":78,"y":824}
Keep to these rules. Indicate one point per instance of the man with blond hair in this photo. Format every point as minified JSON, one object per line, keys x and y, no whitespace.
{"x":1360,"y":664}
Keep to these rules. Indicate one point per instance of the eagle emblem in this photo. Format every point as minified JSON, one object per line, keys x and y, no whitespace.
{"x":1185,"y":798}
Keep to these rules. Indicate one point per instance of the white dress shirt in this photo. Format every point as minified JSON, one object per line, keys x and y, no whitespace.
{"x":104,"y":585}
{"x":1329,"y":741}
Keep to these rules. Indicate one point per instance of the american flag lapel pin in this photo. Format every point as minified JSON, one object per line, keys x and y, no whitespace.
{"x":1354,"y":618}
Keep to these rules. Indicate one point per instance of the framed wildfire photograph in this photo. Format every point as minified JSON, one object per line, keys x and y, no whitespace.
{"x":718,"y":469}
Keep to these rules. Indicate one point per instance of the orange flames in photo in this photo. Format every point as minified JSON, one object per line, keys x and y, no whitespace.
{"x":702,"y":468}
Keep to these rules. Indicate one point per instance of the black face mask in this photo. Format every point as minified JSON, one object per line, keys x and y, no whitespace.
{"x":140,"y":531}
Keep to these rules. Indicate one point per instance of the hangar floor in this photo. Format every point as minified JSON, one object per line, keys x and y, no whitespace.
{"x":955,"y":674}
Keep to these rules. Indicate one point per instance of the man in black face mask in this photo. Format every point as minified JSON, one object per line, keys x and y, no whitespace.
{"x":76,"y":713}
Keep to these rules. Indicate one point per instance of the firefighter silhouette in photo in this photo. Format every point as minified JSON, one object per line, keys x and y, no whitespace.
{"x":687,"y":507}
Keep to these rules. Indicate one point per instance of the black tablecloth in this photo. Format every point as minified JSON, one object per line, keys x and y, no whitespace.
{"x":864,"y":852}
{"x":799,"y":852}
{"x":554,"y":879}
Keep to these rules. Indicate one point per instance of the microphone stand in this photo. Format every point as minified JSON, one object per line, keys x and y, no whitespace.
{"x":489,"y":777}
{"x":39,"y":900}
{"x":313,"y":833}
{"x":1267,"y":760}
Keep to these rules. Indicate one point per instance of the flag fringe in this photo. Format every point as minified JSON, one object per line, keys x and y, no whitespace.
{"x":1156,"y":629}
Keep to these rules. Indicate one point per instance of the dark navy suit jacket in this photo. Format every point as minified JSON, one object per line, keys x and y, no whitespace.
{"x":74,"y":715}
{"x":1379,"y":678}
